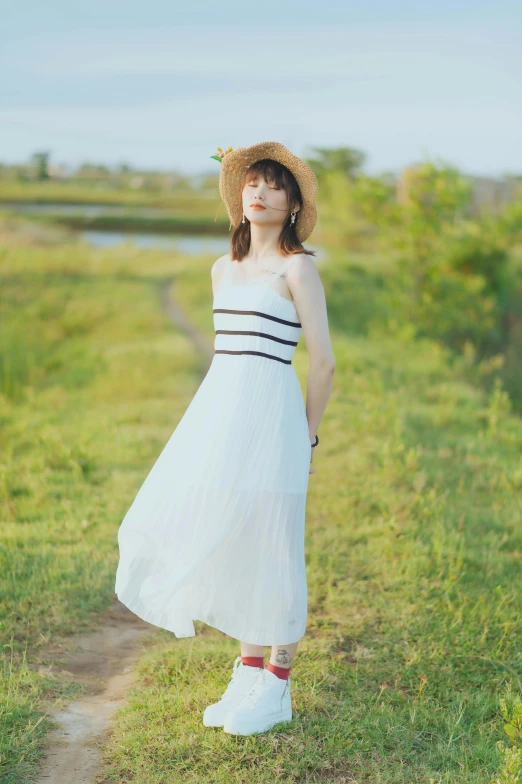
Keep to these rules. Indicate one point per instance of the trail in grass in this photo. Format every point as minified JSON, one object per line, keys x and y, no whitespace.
{"x":102,"y":660}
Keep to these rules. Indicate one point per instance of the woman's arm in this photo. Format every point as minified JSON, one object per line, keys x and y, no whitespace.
{"x":307,"y":291}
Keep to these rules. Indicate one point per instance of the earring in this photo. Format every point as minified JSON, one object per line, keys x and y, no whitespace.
{"x":243,"y":221}
{"x":293,"y":217}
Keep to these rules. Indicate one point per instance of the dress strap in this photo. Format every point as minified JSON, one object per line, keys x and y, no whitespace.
{"x":285,"y":266}
{"x":231,"y":276}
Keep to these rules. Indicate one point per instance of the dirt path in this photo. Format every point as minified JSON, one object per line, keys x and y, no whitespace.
{"x":102,"y":660}
{"x":175,"y":311}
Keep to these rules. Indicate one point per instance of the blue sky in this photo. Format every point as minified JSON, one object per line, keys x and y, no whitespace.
{"x":163,"y":84}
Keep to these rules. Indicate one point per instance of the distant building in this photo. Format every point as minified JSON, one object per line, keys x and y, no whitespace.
{"x":60,"y":171}
{"x":492,"y":195}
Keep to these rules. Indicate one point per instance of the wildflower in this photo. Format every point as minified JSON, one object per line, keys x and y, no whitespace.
{"x":221,"y":153}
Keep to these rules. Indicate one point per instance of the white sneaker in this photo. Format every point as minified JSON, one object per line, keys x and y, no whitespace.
{"x":242,"y":680}
{"x":265,"y":705}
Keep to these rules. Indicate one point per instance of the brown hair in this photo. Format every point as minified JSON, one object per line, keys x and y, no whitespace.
{"x":288,"y":244}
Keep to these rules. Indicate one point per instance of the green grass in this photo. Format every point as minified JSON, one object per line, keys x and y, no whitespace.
{"x":83,"y":192}
{"x":191,"y":211}
{"x":175,"y":224}
{"x":413,"y":540}
{"x":97,"y":378}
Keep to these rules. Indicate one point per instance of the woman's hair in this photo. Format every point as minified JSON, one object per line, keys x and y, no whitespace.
{"x":271,"y":171}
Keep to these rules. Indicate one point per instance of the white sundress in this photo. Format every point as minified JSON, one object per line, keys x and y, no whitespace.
{"x":216,"y":531}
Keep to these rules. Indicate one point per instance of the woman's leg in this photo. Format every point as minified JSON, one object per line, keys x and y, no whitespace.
{"x":283,"y":655}
{"x":252,"y":650}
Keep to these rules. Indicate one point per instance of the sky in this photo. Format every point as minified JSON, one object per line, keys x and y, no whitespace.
{"x":162,"y":85}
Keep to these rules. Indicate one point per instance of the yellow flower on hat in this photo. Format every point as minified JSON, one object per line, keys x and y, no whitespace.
{"x":221,"y":153}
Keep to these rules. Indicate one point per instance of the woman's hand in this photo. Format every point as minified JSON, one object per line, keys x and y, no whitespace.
{"x":312,"y":470}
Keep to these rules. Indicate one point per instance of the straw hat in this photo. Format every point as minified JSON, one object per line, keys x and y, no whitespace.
{"x":234,"y":165}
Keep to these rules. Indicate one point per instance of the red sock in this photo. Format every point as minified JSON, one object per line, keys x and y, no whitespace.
{"x":281,"y":672}
{"x":253,"y":661}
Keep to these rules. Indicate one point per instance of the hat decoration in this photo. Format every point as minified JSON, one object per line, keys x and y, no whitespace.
{"x":221,"y":153}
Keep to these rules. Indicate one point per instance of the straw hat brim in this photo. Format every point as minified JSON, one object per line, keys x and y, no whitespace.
{"x":234,"y":166}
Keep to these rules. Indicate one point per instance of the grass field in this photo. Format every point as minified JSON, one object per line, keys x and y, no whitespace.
{"x":77,"y":192}
{"x":187,"y":211}
{"x":413,"y":542}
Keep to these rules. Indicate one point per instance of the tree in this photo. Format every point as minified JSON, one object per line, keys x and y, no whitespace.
{"x":346,"y":160}
{"x":40,"y":161}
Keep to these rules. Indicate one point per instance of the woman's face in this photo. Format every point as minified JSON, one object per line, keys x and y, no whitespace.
{"x":274,"y":200}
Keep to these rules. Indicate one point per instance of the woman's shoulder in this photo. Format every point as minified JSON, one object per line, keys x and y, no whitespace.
{"x":218,"y":269}
{"x":220,"y":263}
{"x":302,"y":255}
{"x":301,"y":262}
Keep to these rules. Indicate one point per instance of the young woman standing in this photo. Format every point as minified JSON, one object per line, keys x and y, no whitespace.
{"x":216,"y":532}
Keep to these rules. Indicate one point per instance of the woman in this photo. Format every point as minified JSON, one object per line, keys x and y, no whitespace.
{"x":216,"y":532}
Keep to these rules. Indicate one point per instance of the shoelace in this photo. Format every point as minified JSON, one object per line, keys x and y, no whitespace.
{"x":233,"y":680}
{"x":256,"y":690}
